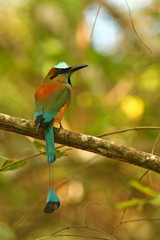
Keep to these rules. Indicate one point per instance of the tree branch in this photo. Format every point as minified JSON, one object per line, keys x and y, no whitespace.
{"x":96,"y":145}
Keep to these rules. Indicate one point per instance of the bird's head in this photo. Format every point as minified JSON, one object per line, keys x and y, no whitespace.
{"x":62,"y":72}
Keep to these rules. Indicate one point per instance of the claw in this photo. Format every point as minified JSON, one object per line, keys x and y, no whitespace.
{"x":60,"y":124}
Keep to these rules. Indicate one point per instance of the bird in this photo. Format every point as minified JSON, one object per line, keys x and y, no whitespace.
{"x":51,"y":101}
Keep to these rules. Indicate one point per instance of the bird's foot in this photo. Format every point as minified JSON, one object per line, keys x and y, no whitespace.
{"x":60,"y":126}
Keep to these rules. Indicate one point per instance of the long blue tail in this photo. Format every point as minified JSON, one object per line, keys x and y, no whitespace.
{"x":49,"y":138}
{"x":52,"y":202}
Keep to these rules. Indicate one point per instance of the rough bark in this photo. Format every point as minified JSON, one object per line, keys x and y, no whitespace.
{"x":93,"y":144}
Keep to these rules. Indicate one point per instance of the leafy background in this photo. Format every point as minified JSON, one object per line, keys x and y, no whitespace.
{"x":119,"y":89}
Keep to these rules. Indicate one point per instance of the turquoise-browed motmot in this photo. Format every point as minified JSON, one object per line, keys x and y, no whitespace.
{"x":51,"y":101}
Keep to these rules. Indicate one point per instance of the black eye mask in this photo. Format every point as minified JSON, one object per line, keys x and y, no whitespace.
{"x":60,"y":71}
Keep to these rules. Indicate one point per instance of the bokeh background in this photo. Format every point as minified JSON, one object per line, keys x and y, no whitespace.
{"x":119,"y":89}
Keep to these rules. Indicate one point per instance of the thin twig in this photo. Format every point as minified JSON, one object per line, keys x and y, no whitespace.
{"x":20,"y":160}
{"x":84,"y":210}
{"x":155,"y":143}
{"x":129,"y":129}
{"x":134,"y":29}
{"x":130,"y":196}
{"x":81,"y":236}
{"x":141,"y":219}
{"x":78,"y":236}
{"x":77,"y":226}
{"x":100,"y":4}
{"x":81,"y":226}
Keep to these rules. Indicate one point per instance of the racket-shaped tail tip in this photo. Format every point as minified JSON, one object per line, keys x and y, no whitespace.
{"x":53,"y":202}
{"x":51,"y":207}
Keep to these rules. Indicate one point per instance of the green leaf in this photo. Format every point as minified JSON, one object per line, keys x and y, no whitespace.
{"x":60,"y":153}
{"x":40,"y":147}
{"x":6,"y":232}
{"x":15,"y":165}
{"x":131,"y":203}
{"x":4,"y":158}
{"x":143,"y":189}
{"x":156,"y":200}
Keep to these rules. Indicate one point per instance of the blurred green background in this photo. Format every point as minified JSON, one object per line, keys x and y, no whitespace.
{"x":119,"y":89}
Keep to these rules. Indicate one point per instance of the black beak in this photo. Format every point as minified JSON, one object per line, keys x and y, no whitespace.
{"x":76,"y":67}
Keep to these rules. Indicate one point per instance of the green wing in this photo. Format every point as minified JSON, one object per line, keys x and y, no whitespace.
{"x":45,"y":110}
